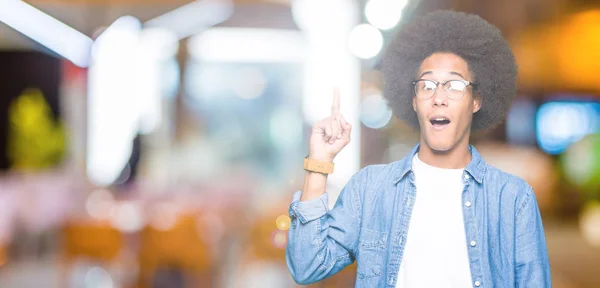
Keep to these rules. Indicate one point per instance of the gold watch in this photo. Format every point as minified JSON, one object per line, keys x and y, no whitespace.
{"x":318,"y":166}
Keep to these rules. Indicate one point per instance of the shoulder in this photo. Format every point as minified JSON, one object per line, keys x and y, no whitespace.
{"x":370,"y":176}
{"x":507,"y":184}
{"x":376,"y":173}
{"x":374,"y":181}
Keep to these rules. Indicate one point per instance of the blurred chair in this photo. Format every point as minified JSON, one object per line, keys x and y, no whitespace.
{"x":262,"y":262}
{"x":267,"y":243}
{"x":175,"y":253}
{"x":95,"y":241}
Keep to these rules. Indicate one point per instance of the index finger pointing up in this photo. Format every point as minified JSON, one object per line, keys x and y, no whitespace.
{"x":335,"y":107}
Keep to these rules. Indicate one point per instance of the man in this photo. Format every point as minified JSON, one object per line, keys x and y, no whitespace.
{"x":440,"y":217}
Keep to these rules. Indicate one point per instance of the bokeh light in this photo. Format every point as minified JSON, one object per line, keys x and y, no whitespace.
{"x":97,"y":277}
{"x":589,"y":223}
{"x":283,"y":222}
{"x":560,"y":124}
{"x":164,"y":216}
{"x":365,"y":41}
{"x":581,"y":165}
{"x":127,"y":217}
{"x":315,"y":15}
{"x":279,"y":239}
{"x":374,"y":112}
{"x":100,"y":204}
{"x":384,"y":14}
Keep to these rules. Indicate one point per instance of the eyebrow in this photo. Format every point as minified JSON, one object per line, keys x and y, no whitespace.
{"x":451,"y":73}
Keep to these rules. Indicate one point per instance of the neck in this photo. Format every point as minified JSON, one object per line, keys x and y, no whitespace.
{"x":457,"y":157}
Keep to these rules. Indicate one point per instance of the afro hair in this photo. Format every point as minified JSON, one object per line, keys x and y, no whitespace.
{"x":479,"y":43}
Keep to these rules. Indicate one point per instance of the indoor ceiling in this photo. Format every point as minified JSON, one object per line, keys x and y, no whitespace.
{"x":87,"y":16}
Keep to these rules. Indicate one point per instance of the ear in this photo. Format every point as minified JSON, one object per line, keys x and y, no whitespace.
{"x":414,"y":104}
{"x":477,"y":102}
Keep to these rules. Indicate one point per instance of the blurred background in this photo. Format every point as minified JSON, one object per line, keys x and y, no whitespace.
{"x":157,"y":143}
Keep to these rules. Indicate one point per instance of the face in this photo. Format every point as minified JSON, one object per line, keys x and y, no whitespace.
{"x":445,"y":123}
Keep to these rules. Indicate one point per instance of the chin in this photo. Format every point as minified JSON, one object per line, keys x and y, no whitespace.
{"x":439,"y":146}
{"x":440,"y":149}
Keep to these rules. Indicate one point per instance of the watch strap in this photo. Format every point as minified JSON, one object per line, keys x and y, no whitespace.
{"x":318,"y":166}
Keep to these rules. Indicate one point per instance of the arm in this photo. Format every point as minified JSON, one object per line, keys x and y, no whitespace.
{"x":532,"y":264}
{"x":321,"y":241}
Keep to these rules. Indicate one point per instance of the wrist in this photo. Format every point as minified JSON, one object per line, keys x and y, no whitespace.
{"x":320,"y":158}
{"x":320,"y":166}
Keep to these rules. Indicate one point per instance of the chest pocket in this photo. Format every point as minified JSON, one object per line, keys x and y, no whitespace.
{"x":371,"y":251}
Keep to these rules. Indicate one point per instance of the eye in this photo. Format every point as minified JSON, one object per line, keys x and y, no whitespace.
{"x":456,"y":86}
{"x":427,"y":85}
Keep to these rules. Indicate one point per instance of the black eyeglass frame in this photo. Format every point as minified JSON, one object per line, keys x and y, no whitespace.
{"x":467,"y":83}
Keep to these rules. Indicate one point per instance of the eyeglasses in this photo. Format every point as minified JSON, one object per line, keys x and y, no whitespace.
{"x":425,"y":89}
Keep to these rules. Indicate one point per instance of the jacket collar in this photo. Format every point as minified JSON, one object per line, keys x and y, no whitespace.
{"x":476,"y":168}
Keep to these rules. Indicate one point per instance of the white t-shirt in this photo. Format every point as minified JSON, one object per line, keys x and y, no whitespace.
{"x":435,"y":254}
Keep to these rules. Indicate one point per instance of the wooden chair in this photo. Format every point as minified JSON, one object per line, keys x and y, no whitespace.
{"x":179,"y":248}
{"x":95,"y":241}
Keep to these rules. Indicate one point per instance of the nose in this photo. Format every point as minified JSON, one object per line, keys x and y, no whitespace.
{"x":440,"y":98}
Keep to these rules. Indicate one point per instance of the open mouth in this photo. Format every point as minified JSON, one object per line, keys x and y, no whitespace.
{"x":439,"y":122}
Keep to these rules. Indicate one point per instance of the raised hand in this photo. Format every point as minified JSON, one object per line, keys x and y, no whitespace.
{"x":330,"y":135}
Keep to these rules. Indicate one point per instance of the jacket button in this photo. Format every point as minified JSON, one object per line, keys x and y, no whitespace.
{"x":477,"y":283}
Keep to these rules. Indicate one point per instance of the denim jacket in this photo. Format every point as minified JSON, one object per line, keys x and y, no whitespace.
{"x":369,"y":224}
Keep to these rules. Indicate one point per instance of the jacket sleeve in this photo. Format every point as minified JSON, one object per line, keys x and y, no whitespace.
{"x":321,"y":242}
{"x":532,"y":264}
